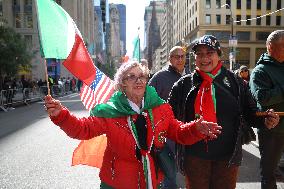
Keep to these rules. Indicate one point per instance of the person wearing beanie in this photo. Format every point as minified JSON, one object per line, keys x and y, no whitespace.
{"x":215,"y":94}
{"x":243,"y":72}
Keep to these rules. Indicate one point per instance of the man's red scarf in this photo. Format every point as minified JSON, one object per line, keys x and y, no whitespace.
{"x":205,"y":101}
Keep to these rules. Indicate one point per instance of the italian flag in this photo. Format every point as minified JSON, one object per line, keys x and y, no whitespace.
{"x":61,"y":39}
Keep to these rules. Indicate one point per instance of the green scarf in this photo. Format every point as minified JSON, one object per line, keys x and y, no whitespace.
{"x":118,"y":106}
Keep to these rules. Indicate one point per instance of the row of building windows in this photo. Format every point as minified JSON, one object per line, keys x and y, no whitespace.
{"x":248,"y":4}
{"x":241,"y":35}
{"x":248,"y":21}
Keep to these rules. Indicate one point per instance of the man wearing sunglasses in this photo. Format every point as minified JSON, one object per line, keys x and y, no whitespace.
{"x":163,"y":82}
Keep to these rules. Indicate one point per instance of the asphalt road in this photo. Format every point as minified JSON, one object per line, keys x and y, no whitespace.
{"x":34,"y":153}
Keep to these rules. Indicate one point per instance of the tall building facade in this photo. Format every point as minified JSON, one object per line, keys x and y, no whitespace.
{"x":253,"y":21}
{"x":122,"y":26}
{"x":153,"y":19}
{"x":21,"y":15}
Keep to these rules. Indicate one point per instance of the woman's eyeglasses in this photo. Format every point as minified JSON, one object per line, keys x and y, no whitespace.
{"x":133,"y":78}
{"x":176,"y":56}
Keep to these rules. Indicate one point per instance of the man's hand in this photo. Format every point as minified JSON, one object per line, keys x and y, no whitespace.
{"x":272,"y":119}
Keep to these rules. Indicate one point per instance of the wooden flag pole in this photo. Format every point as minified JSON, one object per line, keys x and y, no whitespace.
{"x":46,"y":77}
{"x":266,"y":113}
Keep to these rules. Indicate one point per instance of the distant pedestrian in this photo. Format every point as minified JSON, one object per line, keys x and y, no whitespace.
{"x":243,"y":72}
{"x":267,"y":87}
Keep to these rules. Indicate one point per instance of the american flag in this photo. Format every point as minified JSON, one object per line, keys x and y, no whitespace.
{"x":98,"y":92}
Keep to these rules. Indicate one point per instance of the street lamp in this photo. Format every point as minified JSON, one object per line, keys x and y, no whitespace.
{"x":232,"y":41}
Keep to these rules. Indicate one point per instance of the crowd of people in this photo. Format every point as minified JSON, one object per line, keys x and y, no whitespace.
{"x":201,"y":116}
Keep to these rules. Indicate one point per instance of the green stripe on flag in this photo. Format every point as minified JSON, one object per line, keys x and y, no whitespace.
{"x":56,"y":30}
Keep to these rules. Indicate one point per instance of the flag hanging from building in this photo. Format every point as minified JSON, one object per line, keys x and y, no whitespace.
{"x":136,"y":50}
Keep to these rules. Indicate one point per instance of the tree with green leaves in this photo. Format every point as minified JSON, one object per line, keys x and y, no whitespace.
{"x":14,"y":53}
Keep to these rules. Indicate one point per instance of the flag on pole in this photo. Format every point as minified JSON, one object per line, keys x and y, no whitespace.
{"x":136,"y":50}
{"x":61,"y":39}
{"x":98,"y":92}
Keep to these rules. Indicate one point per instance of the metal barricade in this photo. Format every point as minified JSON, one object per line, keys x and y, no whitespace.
{"x":7,"y":99}
{"x":2,"y":105}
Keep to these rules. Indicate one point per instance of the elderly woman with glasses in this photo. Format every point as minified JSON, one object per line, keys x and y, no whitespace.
{"x":136,"y":122}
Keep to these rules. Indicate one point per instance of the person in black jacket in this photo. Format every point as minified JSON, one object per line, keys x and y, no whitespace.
{"x":217,"y":95}
{"x":163,"y":82}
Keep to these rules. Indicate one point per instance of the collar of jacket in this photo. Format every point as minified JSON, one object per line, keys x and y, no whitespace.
{"x":172,"y":69}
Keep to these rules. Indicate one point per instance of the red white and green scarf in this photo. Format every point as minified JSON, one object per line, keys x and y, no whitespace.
{"x":119,"y":106}
{"x":205,"y":101}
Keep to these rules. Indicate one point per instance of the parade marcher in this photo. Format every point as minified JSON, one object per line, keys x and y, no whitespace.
{"x":163,"y":82}
{"x":219,"y":96}
{"x":267,"y":87}
{"x":135,"y":121}
{"x":243,"y":72}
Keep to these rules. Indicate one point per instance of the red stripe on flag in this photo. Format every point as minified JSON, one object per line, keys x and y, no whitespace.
{"x":79,"y":62}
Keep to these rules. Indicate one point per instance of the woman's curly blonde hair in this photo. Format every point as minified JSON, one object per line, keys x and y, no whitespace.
{"x":123,"y":70}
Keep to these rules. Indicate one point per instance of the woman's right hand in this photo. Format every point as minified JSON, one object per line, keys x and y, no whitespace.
{"x":52,"y":106}
{"x":209,"y":129}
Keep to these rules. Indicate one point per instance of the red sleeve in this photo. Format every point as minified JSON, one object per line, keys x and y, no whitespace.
{"x":183,"y":133}
{"x":79,"y":128}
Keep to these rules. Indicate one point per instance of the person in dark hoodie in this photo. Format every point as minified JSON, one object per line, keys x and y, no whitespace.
{"x":267,"y":87}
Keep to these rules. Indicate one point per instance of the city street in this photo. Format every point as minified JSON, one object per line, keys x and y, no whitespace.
{"x":34,"y":153}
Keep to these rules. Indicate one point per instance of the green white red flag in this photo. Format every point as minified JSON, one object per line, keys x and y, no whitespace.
{"x":61,"y":39}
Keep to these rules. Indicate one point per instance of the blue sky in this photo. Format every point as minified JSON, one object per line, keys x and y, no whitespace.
{"x":134,"y":19}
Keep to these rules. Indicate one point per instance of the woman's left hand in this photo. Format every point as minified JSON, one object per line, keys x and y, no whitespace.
{"x":272,"y":119}
{"x":209,"y":129}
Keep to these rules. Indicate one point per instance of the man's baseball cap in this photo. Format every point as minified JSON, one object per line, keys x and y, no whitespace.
{"x":208,"y":40}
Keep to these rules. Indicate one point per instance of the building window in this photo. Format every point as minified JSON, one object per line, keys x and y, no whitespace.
{"x":218,"y":4}
{"x":258,"y":20}
{"x":228,"y":2}
{"x":218,"y":19}
{"x":268,"y":20}
{"x":239,"y":4}
{"x":278,"y":4}
{"x":258,"y":4}
{"x":248,"y":20}
{"x":228,"y":19}
{"x":248,"y":4}
{"x":195,"y":6}
{"x":220,"y":35}
{"x":17,"y":20}
{"x":28,"y":22}
{"x":268,"y":4}
{"x":278,"y":20}
{"x":196,"y":21}
{"x":238,"y":19}
{"x":208,"y":19}
{"x":243,"y":36}
{"x":208,"y":4}
{"x":28,"y":40}
{"x":1,"y":7}
{"x":262,"y":36}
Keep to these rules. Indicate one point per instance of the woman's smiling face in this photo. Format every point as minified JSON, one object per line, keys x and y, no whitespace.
{"x":206,"y":58}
